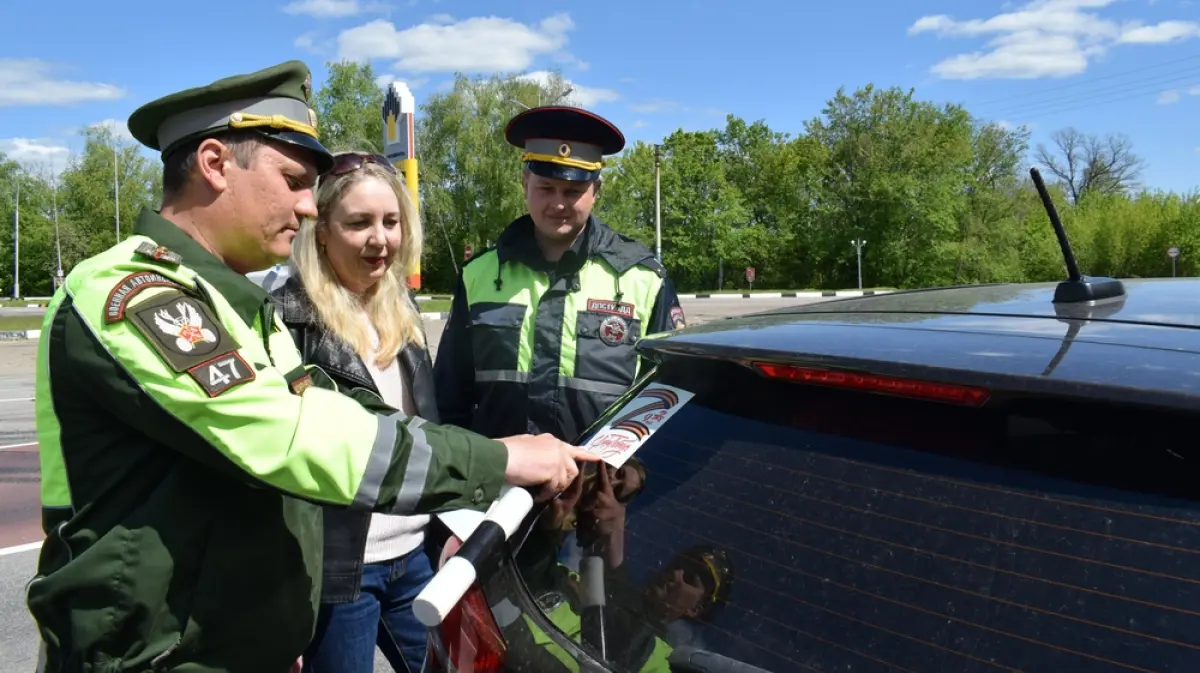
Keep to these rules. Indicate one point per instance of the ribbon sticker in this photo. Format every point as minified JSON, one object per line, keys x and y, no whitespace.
{"x":637,"y":421}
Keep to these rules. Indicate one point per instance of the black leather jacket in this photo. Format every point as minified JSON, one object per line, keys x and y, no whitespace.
{"x":346,"y":532}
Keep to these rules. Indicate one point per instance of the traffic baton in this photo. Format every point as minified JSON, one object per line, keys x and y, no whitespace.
{"x":457,"y":575}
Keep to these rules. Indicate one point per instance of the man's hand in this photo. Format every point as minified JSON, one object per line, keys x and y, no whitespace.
{"x":543,"y":460}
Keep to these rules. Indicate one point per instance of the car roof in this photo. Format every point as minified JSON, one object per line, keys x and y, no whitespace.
{"x":1147,"y":339}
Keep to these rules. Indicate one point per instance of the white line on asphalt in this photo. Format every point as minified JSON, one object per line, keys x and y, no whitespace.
{"x":17,"y":446}
{"x":5,"y":551}
{"x":18,"y":399}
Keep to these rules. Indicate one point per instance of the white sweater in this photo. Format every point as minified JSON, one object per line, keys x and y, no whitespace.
{"x":391,"y":536}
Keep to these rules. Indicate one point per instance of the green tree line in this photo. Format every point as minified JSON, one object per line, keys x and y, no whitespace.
{"x":940,"y":196}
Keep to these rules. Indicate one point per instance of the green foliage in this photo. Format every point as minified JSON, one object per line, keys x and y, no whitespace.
{"x":940,"y":197}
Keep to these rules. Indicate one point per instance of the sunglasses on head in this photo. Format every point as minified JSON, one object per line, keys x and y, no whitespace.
{"x":344,"y":163}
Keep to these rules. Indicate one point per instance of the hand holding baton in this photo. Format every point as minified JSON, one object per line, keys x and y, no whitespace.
{"x":454,"y":578}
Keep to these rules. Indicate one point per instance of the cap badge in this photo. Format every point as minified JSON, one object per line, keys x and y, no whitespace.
{"x":306,"y":87}
{"x":564,"y":150}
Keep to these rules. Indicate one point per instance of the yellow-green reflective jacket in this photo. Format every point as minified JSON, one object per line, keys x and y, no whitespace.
{"x":183,"y":452}
{"x":535,"y":347}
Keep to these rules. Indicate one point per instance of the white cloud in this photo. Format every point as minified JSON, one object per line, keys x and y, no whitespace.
{"x":475,"y":45}
{"x":413,"y":83}
{"x":29,"y":81}
{"x":1167,"y":31}
{"x":640,"y":124}
{"x":36,"y":154}
{"x":585,"y":96}
{"x":1194,"y":91}
{"x":117,"y":127}
{"x":1169,"y":96}
{"x":331,"y":9}
{"x":1043,"y":38}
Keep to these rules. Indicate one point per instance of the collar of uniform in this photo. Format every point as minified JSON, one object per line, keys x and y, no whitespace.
{"x":243,"y":294}
{"x":518,"y":244}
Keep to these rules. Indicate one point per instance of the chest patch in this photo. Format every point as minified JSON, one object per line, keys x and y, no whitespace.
{"x":625,"y":310}
{"x":613,"y":329}
{"x":118,"y":299}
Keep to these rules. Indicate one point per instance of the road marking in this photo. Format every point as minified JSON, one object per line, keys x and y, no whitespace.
{"x":19,"y":549}
{"x":17,"y":446}
{"x":18,"y":399}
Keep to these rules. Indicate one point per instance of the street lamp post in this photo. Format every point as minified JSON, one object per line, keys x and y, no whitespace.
{"x":116,"y":192}
{"x":57,"y":241}
{"x":16,"y":243}
{"x":657,"y":206}
{"x":858,"y":244}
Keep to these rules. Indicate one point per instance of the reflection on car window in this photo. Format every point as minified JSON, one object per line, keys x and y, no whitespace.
{"x":804,"y":530}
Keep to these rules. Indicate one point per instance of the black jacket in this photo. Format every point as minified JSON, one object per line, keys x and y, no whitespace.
{"x":346,"y":531}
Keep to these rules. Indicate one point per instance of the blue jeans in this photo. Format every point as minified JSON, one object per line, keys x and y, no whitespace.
{"x":347,"y":633}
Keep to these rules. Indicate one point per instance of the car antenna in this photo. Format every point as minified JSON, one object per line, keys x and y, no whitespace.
{"x":1077,"y":287}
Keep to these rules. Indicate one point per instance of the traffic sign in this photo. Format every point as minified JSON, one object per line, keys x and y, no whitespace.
{"x":468,"y":251}
{"x":1172,"y":252}
{"x":749,"y":274}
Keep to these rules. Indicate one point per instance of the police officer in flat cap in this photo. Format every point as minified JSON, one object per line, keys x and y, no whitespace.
{"x":185,"y":451}
{"x":543,"y":325}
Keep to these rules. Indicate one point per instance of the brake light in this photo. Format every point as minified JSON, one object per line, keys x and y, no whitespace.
{"x":469,"y":632}
{"x":891,"y":385}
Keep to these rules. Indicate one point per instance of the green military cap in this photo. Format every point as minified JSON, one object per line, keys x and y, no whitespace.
{"x":273,"y":102}
{"x":564,"y":143}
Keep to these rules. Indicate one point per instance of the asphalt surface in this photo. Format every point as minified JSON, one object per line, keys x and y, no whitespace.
{"x":20,"y":530}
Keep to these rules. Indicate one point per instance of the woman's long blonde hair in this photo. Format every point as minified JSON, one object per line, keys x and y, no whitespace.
{"x":391,"y":310}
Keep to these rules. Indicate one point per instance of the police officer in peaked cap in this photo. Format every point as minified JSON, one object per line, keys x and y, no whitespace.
{"x":543,"y":325}
{"x":185,"y":450}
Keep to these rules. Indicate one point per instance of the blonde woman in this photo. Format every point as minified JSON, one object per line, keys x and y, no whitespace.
{"x":350,"y":312}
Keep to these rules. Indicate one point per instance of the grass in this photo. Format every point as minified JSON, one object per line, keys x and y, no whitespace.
{"x":434,"y":306}
{"x":17,"y":323}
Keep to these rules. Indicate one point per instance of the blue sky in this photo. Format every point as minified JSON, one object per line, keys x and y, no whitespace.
{"x":1103,"y":66}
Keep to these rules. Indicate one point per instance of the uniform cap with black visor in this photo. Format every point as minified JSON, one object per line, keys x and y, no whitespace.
{"x":564,"y":143}
{"x":273,"y":102}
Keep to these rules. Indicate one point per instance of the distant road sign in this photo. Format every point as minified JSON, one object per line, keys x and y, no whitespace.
{"x":468,"y":251}
{"x":749,"y":274}
{"x":1172,"y":252}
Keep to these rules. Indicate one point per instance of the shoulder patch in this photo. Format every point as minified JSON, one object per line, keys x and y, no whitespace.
{"x":158,"y":253}
{"x":183,"y":330}
{"x":221,"y":373}
{"x":118,"y":299}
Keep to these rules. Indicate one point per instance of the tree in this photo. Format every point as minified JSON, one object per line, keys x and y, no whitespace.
{"x":1087,"y":163}
{"x":348,"y":108}
{"x":470,"y":176}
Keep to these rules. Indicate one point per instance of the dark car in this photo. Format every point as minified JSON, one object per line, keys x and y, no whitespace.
{"x":960,"y":479}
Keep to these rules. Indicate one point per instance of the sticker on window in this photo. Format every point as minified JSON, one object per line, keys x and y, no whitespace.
{"x":636,"y":422}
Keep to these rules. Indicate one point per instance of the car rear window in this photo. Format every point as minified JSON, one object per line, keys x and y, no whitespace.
{"x":800,"y":528}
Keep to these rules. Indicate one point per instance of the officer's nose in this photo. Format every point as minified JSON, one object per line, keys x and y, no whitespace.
{"x":307,"y":205}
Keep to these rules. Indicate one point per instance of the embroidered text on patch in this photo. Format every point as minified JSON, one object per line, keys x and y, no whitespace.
{"x":222,"y":373}
{"x":129,"y":286}
{"x":622,"y":309}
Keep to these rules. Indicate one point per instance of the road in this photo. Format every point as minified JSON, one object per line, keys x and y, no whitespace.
{"x":19,"y":517}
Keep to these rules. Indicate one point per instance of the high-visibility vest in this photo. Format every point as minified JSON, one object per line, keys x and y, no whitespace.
{"x":568,"y":348}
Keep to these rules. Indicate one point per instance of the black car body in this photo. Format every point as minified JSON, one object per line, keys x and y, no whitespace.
{"x":957,"y":479}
